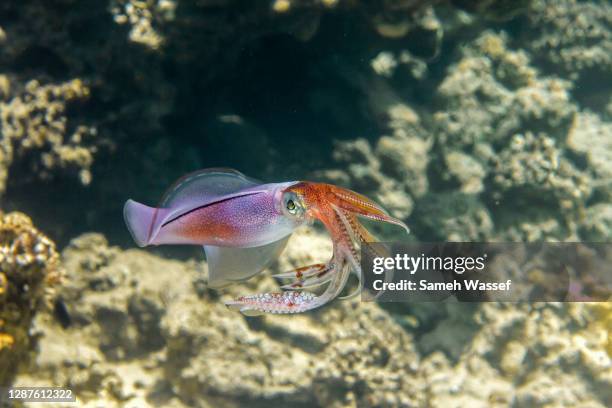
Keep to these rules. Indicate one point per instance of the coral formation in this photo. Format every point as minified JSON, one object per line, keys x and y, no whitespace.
{"x":513,"y":359}
{"x":492,"y":93}
{"x":503,"y":135}
{"x":573,"y":36}
{"x":146,"y":331}
{"x":519,"y":133}
{"x":34,"y":124}
{"x":30,"y":268}
{"x":142,"y":16}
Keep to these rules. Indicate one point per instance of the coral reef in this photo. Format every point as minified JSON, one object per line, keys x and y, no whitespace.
{"x":513,"y":359}
{"x":589,"y":138}
{"x":503,"y":136}
{"x":573,"y":36}
{"x":522,"y":136}
{"x":493,"y":92}
{"x":133,"y":340}
{"x":143,"y":17}
{"x":29,"y":269}
{"x":34,"y":124}
{"x":146,"y":331}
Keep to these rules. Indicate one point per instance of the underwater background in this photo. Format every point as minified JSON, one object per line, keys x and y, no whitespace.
{"x":471,"y":120}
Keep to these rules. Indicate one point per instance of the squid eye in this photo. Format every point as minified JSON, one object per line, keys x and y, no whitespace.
{"x":291,"y":207}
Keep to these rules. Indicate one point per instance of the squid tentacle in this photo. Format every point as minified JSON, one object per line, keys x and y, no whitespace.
{"x":345,"y":241}
{"x":291,"y":301}
{"x":363,"y":206}
{"x":339,"y":213}
{"x":309,"y":283}
{"x":307,"y":276}
{"x":351,"y":237}
{"x":275,"y":302}
{"x":362,"y":235}
{"x":304,"y":272}
{"x":365,"y":236}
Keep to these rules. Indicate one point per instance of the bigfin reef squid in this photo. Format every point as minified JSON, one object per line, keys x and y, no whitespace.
{"x":244,"y":225}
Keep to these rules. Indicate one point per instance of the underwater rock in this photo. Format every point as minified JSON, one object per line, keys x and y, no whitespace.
{"x":466,"y":170}
{"x":29,"y":272}
{"x":512,"y":134}
{"x":502,"y":129}
{"x":496,"y":10}
{"x":596,"y":224}
{"x":589,"y":137}
{"x":144,"y":17}
{"x":405,"y":159}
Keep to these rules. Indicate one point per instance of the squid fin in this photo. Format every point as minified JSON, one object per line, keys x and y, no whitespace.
{"x":205,"y":185}
{"x":139,"y":219}
{"x":227,"y":265}
{"x":191,"y":191}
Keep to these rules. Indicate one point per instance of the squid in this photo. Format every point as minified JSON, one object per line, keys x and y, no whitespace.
{"x":244,"y":225}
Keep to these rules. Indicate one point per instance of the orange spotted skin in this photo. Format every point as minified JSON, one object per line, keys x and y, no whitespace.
{"x":319,"y":200}
{"x":338,"y":209}
{"x":198,"y":227}
{"x":316,"y":197}
{"x":323,"y":201}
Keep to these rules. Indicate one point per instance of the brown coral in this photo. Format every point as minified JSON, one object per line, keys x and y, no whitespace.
{"x":30,"y":266}
{"x":36,"y":120}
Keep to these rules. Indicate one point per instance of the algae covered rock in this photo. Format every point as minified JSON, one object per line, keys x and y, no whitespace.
{"x":29,"y":270}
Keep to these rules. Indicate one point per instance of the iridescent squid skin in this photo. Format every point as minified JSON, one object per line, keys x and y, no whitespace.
{"x":244,"y":225}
